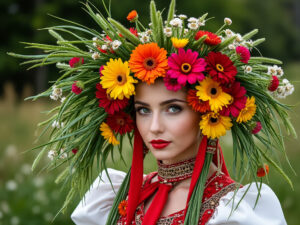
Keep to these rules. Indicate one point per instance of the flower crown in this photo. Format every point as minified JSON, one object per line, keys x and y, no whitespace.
{"x":231,"y":88}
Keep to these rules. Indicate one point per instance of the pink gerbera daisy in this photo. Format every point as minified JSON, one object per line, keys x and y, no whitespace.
{"x":239,"y":99}
{"x":186,"y":67}
{"x":244,"y":53}
{"x":171,"y":83}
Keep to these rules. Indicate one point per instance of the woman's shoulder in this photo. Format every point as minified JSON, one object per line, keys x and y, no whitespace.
{"x":250,"y":204}
{"x":97,"y":201}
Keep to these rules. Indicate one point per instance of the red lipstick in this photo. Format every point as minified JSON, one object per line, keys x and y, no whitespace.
{"x":159,"y":144}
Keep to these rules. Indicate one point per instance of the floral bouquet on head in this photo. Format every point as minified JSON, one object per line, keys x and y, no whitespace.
{"x":231,"y":87}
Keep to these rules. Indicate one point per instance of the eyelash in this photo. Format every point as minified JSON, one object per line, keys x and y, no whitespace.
{"x":178,"y":109}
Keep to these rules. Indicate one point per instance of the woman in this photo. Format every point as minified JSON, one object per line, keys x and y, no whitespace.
{"x":186,"y":87}
{"x":169,"y":128}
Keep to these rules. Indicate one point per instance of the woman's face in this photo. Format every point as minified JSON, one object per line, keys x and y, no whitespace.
{"x":167,"y":124}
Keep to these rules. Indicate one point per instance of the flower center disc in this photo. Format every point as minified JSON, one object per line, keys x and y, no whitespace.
{"x":213,"y":120}
{"x":149,"y":63}
{"x":185,"y":67}
{"x":121,"y":121}
{"x":121,"y":79}
{"x":219,"y":67}
{"x":213,"y":91}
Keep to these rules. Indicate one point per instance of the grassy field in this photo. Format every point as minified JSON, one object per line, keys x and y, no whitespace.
{"x":33,"y":198}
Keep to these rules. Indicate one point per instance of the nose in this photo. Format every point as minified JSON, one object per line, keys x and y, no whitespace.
{"x":156,"y":126}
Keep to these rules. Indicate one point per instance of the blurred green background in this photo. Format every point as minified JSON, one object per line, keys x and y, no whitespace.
{"x":33,"y":198}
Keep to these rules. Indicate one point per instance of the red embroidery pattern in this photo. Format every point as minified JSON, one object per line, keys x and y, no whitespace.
{"x":215,"y":188}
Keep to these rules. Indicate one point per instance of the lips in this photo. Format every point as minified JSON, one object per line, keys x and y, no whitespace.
{"x":159,"y":144}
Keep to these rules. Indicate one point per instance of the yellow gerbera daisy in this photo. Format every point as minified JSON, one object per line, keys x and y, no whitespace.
{"x":248,"y":112}
{"x":210,"y":90}
{"x":179,"y":43}
{"x":116,"y":79}
{"x":213,"y":125}
{"x":108,"y":134}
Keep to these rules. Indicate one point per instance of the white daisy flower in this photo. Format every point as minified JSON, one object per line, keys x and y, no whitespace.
{"x":63,"y":154}
{"x":239,"y":38}
{"x":95,"y":56}
{"x":227,"y":21}
{"x":63,"y":99}
{"x":229,"y":33}
{"x":193,"y":26}
{"x":248,"y":69}
{"x":176,"y":22}
{"x":52,"y":154}
{"x":231,"y":47}
{"x":193,"y":20}
{"x":168,"y":31}
{"x":116,"y":44}
{"x":201,"y":22}
{"x":185,"y":31}
{"x":182,"y":16}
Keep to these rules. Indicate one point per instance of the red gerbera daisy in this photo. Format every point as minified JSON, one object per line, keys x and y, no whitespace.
{"x":110,"y":105}
{"x":120,"y":122}
{"x":212,"y":39}
{"x":220,"y":67}
{"x":239,"y":99}
{"x":197,"y":104}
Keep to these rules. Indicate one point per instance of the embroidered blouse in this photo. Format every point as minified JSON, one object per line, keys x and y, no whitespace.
{"x":216,"y":204}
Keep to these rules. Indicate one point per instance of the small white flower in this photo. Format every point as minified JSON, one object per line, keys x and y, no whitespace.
{"x":201,"y":22}
{"x":239,"y":38}
{"x":168,"y":31}
{"x":116,"y":44}
{"x":56,"y":93}
{"x":63,"y":99}
{"x":54,"y":97}
{"x":248,"y":69}
{"x":95,"y":39}
{"x":95,"y":55}
{"x":52,"y":154}
{"x":176,"y":22}
{"x":63,"y":154}
{"x":104,"y":47}
{"x":148,"y":32}
{"x":272,"y":70}
{"x":185,"y":31}
{"x":279,"y":72}
{"x":62,"y":124}
{"x":285,"y":81}
{"x":229,"y":33}
{"x":231,"y":47}
{"x":193,"y":20}
{"x":144,"y":38}
{"x":227,"y":21}
{"x":11,"y":185}
{"x":193,"y":26}
{"x":182,"y":16}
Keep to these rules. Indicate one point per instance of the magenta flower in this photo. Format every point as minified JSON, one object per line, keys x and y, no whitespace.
{"x":257,"y":128}
{"x":100,"y":70}
{"x":244,"y":53}
{"x":186,"y":67}
{"x":75,"y":88}
{"x":76,"y":61}
{"x":171,"y":83}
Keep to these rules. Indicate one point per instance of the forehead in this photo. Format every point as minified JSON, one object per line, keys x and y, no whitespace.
{"x":157,"y":92}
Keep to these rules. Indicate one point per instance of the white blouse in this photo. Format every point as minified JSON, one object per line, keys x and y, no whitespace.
{"x":96,"y":204}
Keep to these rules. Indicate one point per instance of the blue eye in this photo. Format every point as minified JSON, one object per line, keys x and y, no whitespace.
{"x":174,"y":109}
{"x":142,"y":110}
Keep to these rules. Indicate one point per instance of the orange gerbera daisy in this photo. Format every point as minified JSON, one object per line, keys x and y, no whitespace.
{"x":148,"y":61}
{"x":197,"y":104}
{"x":132,"y":16}
{"x":122,"y":207}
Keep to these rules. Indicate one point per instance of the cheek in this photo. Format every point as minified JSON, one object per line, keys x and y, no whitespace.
{"x":187,"y":126}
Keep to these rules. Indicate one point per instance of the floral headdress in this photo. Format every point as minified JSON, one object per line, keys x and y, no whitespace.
{"x":231,"y":88}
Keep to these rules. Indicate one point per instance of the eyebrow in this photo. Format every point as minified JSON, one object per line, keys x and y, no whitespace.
{"x":162,"y":103}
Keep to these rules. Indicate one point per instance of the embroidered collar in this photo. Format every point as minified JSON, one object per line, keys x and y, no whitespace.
{"x":175,"y":172}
